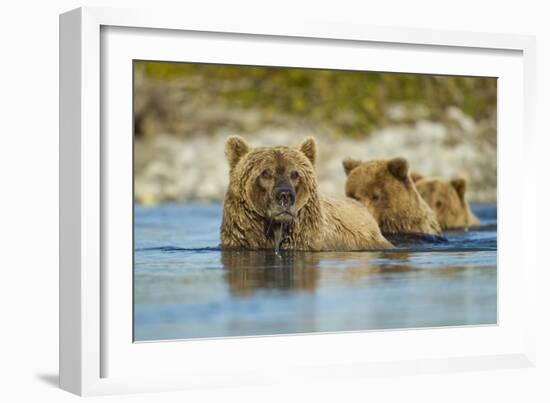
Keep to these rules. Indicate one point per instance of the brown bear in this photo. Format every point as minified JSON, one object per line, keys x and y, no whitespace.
{"x":386,"y":188}
{"x":448,"y":200}
{"x":272,"y":202}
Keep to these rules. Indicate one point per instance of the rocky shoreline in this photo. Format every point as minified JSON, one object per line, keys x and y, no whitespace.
{"x":173,"y":169}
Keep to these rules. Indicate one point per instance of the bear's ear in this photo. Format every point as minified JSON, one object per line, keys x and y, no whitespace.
{"x":399,"y":167}
{"x":460,"y":186}
{"x":235,"y":148}
{"x":415,"y":176}
{"x":309,"y":148}
{"x":350,"y":164}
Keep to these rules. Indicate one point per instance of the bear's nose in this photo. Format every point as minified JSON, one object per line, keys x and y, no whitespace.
{"x":285,"y":197}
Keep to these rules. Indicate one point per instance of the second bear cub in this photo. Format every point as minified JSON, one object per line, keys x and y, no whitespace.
{"x":448,"y":200}
{"x":386,"y":188}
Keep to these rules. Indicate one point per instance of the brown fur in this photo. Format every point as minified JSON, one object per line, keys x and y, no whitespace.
{"x":251,"y":217}
{"x":448,"y":200}
{"x":386,"y":188}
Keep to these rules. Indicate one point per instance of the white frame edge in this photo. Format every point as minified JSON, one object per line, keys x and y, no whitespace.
{"x":80,"y":164}
{"x":69,"y":202}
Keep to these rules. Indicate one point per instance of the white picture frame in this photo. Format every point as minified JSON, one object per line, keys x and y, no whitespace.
{"x":96,"y":355}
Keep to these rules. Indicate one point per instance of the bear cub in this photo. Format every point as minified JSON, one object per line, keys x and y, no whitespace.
{"x":448,"y":200}
{"x":388,"y":191}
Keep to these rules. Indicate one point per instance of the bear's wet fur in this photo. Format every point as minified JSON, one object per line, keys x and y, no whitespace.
{"x":272,"y":202}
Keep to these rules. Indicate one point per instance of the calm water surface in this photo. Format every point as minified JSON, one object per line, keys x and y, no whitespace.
{"x":185,"y":287}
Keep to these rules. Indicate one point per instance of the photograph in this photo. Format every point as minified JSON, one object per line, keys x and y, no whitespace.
{"x":283,"y":200}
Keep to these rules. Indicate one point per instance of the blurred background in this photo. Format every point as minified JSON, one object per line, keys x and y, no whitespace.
{"x":183,"y":112}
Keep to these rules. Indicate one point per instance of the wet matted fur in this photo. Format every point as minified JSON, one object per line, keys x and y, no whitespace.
{"x":254,"y":219}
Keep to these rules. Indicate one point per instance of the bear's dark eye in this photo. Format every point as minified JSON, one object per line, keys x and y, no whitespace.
{"x":294,"y":175}
{"x":374,"y":197}
{"x":438,"y":204}
{"x":266,"y":174}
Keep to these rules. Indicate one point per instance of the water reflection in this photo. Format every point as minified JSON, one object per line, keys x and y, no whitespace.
{"x":247,"y":271}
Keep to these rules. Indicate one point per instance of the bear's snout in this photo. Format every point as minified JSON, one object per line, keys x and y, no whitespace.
{"x":285,"y":197}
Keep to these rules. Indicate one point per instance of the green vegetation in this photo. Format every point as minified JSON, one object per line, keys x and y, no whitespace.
{"x":350,"y":103}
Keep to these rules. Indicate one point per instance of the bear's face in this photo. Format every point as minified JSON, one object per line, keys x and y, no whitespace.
{"x":447,"y":199}
{"x":386,"y":188}
{"x":274,"y":182}
{"x":383,"y":186}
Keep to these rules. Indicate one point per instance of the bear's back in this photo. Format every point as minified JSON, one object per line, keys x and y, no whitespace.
{"x":349,"y":225}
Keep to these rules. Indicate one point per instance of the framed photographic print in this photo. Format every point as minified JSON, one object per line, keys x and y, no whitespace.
{"x":247,"y":202}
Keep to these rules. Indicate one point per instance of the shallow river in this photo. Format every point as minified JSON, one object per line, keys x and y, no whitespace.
{"x":185,"y":287}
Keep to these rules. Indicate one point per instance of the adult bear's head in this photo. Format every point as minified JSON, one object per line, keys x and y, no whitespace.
{"x":274,"y":182}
